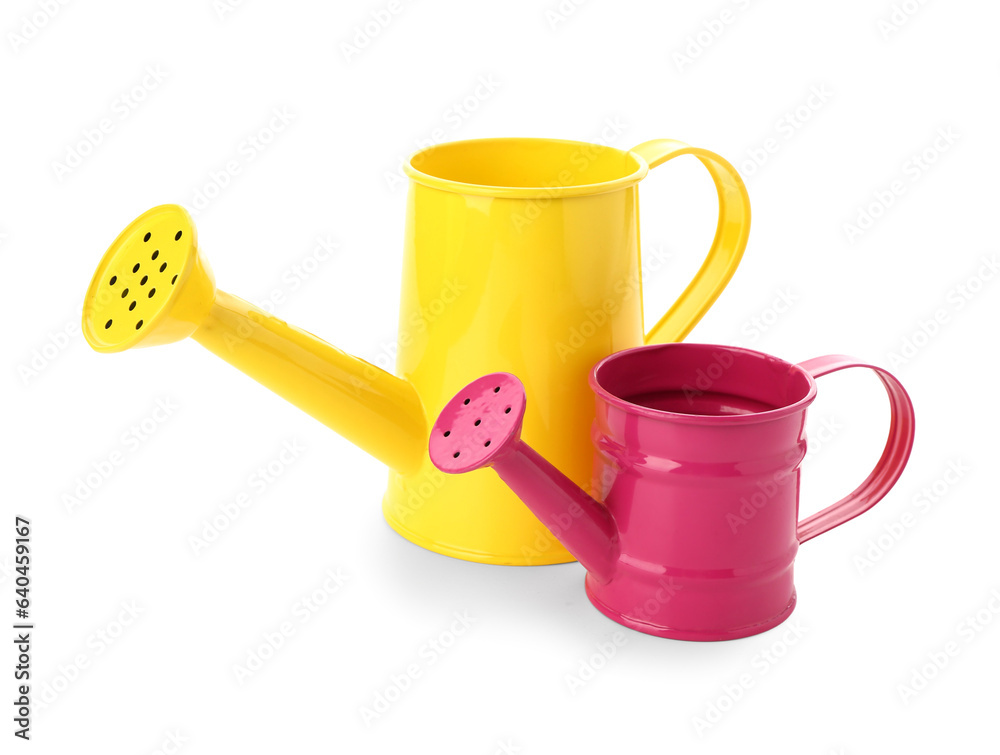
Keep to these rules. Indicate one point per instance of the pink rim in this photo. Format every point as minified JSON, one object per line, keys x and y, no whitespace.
{"x":649,"y":352}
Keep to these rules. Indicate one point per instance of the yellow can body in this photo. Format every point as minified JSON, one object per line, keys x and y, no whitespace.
{"x":523,"y":256}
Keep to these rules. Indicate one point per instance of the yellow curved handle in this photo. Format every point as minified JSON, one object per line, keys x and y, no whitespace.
{"x":727,"y":247}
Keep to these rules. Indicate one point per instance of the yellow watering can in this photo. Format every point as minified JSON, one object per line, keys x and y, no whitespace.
{"x":521,"y":256}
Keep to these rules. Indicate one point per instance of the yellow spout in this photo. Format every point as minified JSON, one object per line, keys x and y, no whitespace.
{"x":154,"y":287}
{"x":376,"y":411}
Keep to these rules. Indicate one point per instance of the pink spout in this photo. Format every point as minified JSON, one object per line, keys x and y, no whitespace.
{"x":481,"y":427}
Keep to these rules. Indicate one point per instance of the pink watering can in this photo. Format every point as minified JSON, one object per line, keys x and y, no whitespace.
{"x":697,"y":454}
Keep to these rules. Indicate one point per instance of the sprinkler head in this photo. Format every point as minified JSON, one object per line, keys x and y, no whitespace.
{"x":152,"y":285}
{"x":479,"y":425}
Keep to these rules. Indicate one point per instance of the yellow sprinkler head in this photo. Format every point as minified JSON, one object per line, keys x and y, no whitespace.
{"x":152,"y":286}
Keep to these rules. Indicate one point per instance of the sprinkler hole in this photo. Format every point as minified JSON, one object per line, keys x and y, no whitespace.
{"x":447,"y":433}
{"x":143,"y":281}
{"x":507,"y":410}
{"x":466,"y":402}
{"x":138,"y":325}
{"x":486,"y":444}
{"x":146,"y":237}
{"x":155,"y":254}
{"x":178,"y":236}
{"x":136,"y":268}
{"x":456,"y":454}
{"x":497,"y":389}
{"x":114,"y":280}
{"x":151,"y":292}
{"x":173,"y":280}
{"x":124,"y":293}
{"x":131,"y":306}
{"x":107,"y":324}
{"x":477,"y":422}
{"x":163,"y":267}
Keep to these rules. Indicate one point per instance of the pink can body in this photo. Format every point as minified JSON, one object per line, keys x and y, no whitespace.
{"x":697,"y":459}
{"x":707,"y":511}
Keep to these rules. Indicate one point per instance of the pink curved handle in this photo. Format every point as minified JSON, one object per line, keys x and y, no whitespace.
{"x":890,"y":465}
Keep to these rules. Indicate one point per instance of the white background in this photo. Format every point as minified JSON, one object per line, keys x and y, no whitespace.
{"x":891,"y":84}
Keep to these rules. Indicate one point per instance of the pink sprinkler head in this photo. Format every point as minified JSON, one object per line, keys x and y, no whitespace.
{"x":479,"y":425}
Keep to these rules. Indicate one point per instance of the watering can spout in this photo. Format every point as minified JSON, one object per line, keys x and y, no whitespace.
{"x":154,"y":287}
{"x":481,"y":427}
{"x":377,"y":411}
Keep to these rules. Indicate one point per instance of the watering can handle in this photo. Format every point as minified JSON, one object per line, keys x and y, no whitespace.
{"x":727,"y":246}
{"x":890,"y":465}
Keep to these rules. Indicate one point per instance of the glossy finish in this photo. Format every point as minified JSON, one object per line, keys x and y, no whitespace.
{"x":481,"y":426}
{"x":522,"y":255}
{"x":697,"y":454}
{"x":380,"y":413}
{"x":152,"y":287}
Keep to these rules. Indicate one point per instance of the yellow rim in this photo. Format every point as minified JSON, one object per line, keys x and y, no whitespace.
{"x":524,"y":192}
